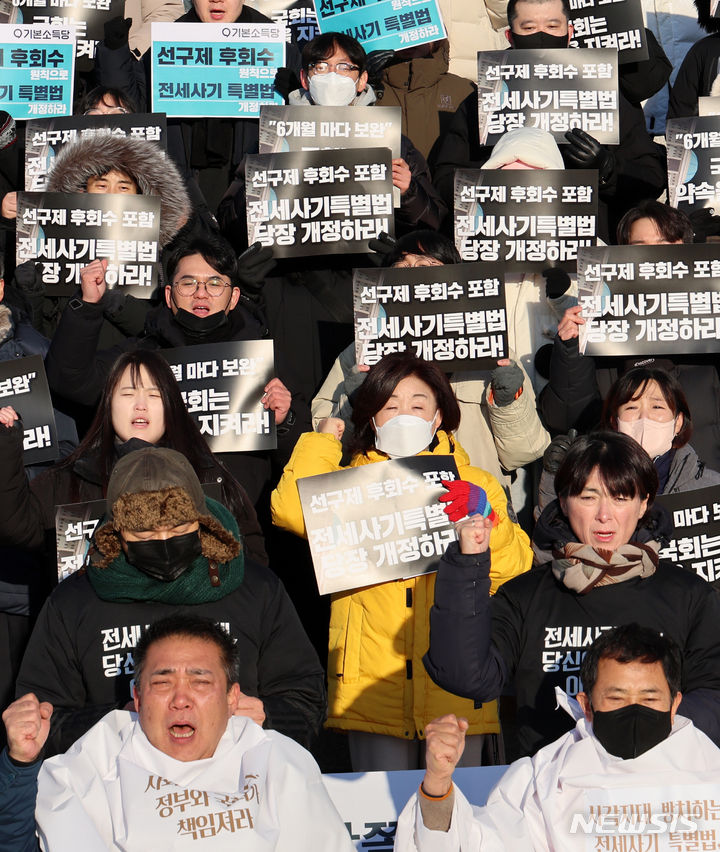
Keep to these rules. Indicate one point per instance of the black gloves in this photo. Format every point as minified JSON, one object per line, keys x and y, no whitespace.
{"x":556,"y":451}
{"x":381,"y":247}
{"x":375,"y":62}
{"x":286,"y":81}
{"x":704,"y":224}
{"x":116,"y":32}
{"x":585,"y":152}
{"x":254,"y":265}
{"x":556,"y":282}
{"x":506,"y":381}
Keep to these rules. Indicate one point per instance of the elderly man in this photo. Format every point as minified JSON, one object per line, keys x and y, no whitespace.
{"x":628,"y":748}
{"x":186,"y":768}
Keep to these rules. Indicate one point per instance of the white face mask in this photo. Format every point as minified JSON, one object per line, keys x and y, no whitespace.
{"x":404,"y":435}
{"x":332,"y":89}
{"x":654,"y":437}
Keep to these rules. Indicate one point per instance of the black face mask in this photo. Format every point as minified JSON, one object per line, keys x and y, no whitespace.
{"x":538,"y":40}
{"x":196,"y":326}
{"x":167,"y":559}
{"x":630,"y":731}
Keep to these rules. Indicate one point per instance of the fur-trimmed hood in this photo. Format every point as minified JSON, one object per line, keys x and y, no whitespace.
{"x":153,"y":171}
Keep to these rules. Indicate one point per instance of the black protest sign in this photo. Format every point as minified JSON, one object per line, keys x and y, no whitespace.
{"x":222,"y":385}
{"x":64,"y":232}
{"x":44,"y":138}
{"x":377,"y":522}
{"x":298,"y":16}
{"x":693,"y":162}
{"x":555,"y":90}
{"x":75,"y":525}
{"x":454,"y":315}
{"x":615,"y":24}
{"x":24,"y":386}
{"x":88,"y":16}
{"x":319,"y":202}
{"x":649,"y":300}
{"x":696,"y":542}
{"x":297,"y":128}
{"x":528,"y":219}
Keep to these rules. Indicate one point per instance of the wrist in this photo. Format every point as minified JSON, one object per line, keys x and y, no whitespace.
{"x":436,"y":787}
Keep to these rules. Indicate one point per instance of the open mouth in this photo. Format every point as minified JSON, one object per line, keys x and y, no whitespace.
{"x":141,"y":421}
{"x":201,"y":309}
{"x":217,"y":14}
{"x":604,"y":535}
{"x":181,"y":732}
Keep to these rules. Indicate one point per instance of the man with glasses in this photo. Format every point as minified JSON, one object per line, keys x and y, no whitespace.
{"x":203,"y":304}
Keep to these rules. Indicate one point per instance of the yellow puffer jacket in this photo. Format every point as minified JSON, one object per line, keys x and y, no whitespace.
{"x":378,"y":634}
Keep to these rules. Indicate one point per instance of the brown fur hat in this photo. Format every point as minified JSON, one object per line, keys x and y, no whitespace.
{"x":145,"y":162}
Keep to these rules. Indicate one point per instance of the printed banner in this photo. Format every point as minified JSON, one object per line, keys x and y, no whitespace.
{"x":216,"y":70}
{"x":37,"y":68}
{"x":696,"y":543}
{"x":24,"y":386}
{"x":377,"y":522}
{"x":383,"y":24}
{"x":693,"y":162}
{"x":319,"y":202}
{"x":297,"y":128}
{"x":75,"y":525}
{"x":64,"y":232}
{"x":616,"y":24}
{"x":222,"y":386}
{"x":555,"y":90}
{"x":297,"y":16}
{"x":45,"y":138}
{"x":527,"y":219}
{"x":649,"y":300}
{"x":88,"y":16}
{"x":454,"y":315}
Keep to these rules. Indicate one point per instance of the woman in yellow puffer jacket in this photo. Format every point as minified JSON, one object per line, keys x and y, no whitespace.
{"x":378,"y":688}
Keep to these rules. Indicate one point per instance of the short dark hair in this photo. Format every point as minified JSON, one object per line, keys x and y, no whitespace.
{"x":674,"y":226}
{"x":323,"y":46}
{"x":631,"y":643}
{"x":632,"y":385}
{"x":215,"y":251}
{"x":512,"y":13}
{"x":97,"y":96}
{"x":192,"y":627}
{"x":623,"y":466}
{"x":381,"y":381}
{"x":429,"y":243}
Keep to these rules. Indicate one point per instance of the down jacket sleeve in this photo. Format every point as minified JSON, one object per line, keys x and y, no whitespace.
{"x":571,"y":399}
{"x":18,"y":790}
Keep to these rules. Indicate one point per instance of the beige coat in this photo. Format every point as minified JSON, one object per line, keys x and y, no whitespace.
{"x":473,"y":25}
{"x":143,"y":13}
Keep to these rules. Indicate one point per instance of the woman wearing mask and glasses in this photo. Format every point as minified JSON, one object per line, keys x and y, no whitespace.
{"x":379,"y":691}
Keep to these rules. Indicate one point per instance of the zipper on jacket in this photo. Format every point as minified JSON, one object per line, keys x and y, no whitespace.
{"x":408,"y":598}
{"x":408,"y":669}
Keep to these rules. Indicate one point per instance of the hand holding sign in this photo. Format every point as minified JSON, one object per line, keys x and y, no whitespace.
{"x":277,"y":398}
{"x":8,"y":416}
{"x":92,"y":281}
{"x":443,"y":749}
{"x":8,"y":209}
{"x":585,"y":152}
{"x":401,"y":175}
{"x":568,"y":327}
{"x":27,"y":722}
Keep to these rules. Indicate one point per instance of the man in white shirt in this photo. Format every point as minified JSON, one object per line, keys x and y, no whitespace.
{"x":629,"y":767}
{"x":183,"y":768}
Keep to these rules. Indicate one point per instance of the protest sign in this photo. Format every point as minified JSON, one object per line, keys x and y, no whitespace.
{"x":528,"y":219}
{"x":377,"y":522}
{"x":693,"y":162}
{"x":649,"y":300}
{"x":88,"y":17}
{"x":297,"y":128}
{"x":709,"y":105}
{"x":24,"y":386}
{"x":37,"y":67}
{"x":75,"y":525}
{"x":454,"y":315}
{"x":383,"y":24}
{"x":696,"y":542}
{"x":297,"y":16}
{"x":45,"y":138}
{"x":319,"y":202}
{"x":216,"y":70}
{"x":222,"y":385}
{"x":64,"y":232}
{"x":616,"y":24}
{"x":554,"y":89}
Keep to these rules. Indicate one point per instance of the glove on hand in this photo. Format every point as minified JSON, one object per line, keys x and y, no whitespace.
{"x":556,"y":451}
{"x":465,"y":499}
{"x":505,"y":382}
{"x":254,"y":264}
{"x":376,"y":61}
{"x":286,"y":81}
{"x":381,"y":247}
{"x":585,"y":152}
{"x":557,"y":282}
{"x":116,"y":32}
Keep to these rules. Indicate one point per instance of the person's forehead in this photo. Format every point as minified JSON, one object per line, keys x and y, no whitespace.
{"x":338,"y":55}
{"x":195,"y":264}
{"x":632,"y":676}
{"x":536,"y":11}
{"x":181,"y":653}
{"x":117,"y":174}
